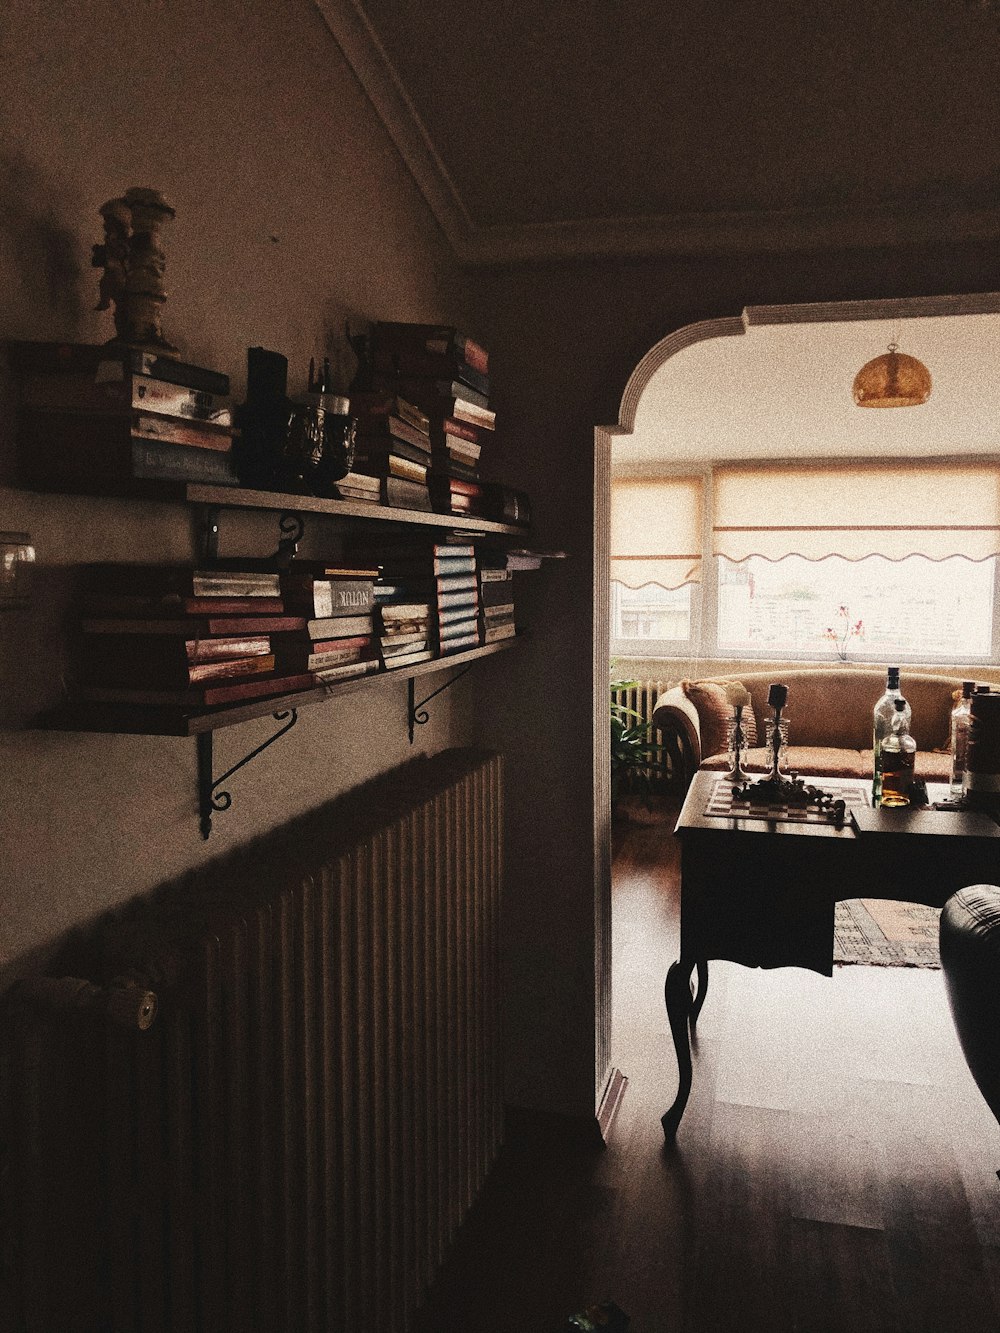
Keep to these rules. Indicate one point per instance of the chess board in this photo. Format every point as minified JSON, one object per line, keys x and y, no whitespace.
{"x":722,"y":805}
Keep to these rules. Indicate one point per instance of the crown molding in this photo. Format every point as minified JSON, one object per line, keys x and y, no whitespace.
{"x":383,"y":87}
{"x":663,"y":236}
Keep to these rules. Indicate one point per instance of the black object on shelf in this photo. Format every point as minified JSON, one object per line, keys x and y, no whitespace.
{"x":263,"y":418}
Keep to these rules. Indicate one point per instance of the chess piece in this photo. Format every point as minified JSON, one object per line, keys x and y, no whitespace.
{"x":134,"y":262}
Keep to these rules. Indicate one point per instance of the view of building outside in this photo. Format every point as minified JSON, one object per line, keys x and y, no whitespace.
{"x":651,"y":612}
{"x":916,"y":606}
{"x":834,"y":607}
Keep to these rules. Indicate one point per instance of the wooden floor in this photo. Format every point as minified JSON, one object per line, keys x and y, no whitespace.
{"x":835,"y":1169}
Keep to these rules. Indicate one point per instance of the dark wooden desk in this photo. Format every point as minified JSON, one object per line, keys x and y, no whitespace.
{"x":762,"y":893}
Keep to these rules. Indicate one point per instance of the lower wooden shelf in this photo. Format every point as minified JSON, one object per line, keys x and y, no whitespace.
{"x":133,"y":720}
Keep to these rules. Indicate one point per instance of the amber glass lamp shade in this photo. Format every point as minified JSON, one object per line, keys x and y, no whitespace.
{"x":892,"y":380}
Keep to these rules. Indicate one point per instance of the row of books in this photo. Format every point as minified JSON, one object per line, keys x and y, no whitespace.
{"x":172,"y":636}
{"x":103,"y":420}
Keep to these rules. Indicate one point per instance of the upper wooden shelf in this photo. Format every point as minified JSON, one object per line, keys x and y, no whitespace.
{"x":240,"y":497}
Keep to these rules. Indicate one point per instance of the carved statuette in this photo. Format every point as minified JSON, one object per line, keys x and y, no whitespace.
{"x":134,"y":261}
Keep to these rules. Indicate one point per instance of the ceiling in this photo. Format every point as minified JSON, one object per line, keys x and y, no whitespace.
{"x":599,"y":125}
{"x":780,"y":387}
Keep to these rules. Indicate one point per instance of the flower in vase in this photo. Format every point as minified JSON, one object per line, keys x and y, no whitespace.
{"x":845,"y":632}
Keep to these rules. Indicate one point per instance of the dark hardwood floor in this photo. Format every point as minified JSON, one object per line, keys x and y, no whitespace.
{"x":835,"y":1169}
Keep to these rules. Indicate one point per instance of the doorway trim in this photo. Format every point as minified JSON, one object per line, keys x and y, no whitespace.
{"x":975,"y":303}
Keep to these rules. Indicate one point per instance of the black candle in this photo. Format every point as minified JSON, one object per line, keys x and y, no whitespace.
{"x":777,"y":695}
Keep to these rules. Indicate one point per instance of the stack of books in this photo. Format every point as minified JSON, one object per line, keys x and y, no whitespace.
{"x":496,"y":605}
{"x":104,"y":420}
{"x":336,"y":641}
{"x":446,"y":375}
{"x":402,"y":601}
{"x":393,"y":445}
{"x":171,"y":636}
{"x":359,"y":486}
{"x":404,"y":633}
{"x":457,"y":597}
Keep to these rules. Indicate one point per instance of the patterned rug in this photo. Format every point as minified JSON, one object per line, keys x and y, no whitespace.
{"x":886,"y":934}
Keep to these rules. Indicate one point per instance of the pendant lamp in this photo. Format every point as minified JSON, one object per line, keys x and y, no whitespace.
{"x":892,"y":380}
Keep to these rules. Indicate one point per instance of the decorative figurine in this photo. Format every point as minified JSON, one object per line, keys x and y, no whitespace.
{"x":134,"y":262}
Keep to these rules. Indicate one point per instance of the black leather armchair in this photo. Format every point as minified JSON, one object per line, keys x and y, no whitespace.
{"x":970,"y":959}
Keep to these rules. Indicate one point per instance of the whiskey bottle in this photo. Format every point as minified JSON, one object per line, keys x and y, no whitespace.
{"x":960,"y":737}
{"x":897,"y":754}
{"x":882,"y":717}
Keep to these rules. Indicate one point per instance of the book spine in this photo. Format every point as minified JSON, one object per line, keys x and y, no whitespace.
{"x":226,"y":583}
{"x":435,"y":338}
{"x":379,"y":432}
{"x":175,"y":401}
{"x":453,"y":550}
{"x":160,"y":460}
{"x":491,"y":633}
{"x":495,"y":576}
{"x":461,"y":565}
{"x":466,"y":597}
{"x":456,"y":645}
{"x":177,"y":372}
{"x":346,"y":670}
{"x":335,"y":657}
{"x":402,"y":494}
{"x":450,"y":429}
{"x":477,"y":415}
{"x":180,"y":431}
{"x":458,"y":628}
{"x":209,"y":650}
{"x":409,"y":659}
{"x":457,"y":582}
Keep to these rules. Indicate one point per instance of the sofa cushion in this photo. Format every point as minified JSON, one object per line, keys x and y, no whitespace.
{"x":715,"y":713}
{"x":833,"y":705}
{"x":808,"y":760}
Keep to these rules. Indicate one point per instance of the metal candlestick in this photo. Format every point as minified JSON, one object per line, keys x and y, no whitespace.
{"x":737,"y":744}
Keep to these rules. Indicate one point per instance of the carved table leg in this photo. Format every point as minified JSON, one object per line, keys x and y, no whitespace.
{"x":677,"y":994}
{"x":699,"y":995}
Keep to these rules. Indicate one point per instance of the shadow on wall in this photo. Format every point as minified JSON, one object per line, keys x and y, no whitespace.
{"x":45,"y":252}
{"x":44,"y":293}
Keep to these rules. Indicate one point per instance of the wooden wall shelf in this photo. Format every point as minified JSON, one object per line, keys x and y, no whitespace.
{"x":239,"y":497}
{"x":146,"y":721}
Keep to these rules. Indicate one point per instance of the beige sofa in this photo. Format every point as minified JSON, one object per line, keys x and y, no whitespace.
{"x":829,"y":716}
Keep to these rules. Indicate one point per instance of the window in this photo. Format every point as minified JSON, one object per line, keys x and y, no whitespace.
{"x":656,"y":557}
{"x":912,"y":608}
{"x":651,"y":613}
{"x":873,"y":560}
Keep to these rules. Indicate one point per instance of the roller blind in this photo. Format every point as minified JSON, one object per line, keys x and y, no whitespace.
{"x":656,"y":531}
{"x":856,"y":510}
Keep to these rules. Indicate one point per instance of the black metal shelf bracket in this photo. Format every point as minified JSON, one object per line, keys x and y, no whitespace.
{"x":210,"y":799}
{"x":291,"y":526}
{"x":417,"y":714}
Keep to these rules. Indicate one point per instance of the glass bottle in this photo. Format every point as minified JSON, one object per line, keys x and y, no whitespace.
{"x":882,"y":716}
{"x":897,"y":755}
{"x":960,"y":737}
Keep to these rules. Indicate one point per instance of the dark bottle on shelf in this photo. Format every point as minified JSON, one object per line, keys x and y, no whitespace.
{"x":882,"y":719}
{"x":897,"y":756}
